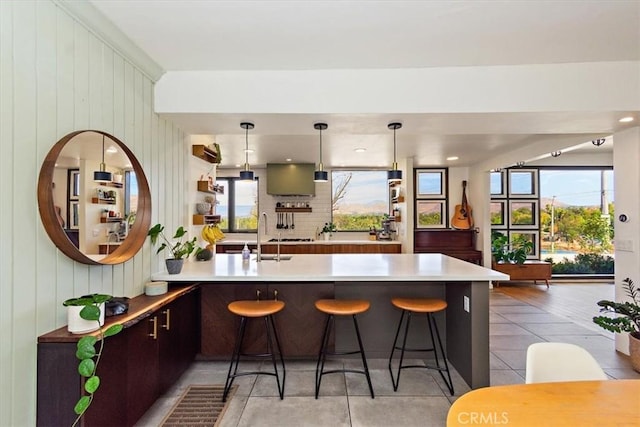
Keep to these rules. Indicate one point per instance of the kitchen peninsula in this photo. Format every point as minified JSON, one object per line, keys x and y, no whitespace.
{"x":302,"y":279}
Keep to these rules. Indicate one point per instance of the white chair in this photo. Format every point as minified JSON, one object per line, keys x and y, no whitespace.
{"x":554,"y":361}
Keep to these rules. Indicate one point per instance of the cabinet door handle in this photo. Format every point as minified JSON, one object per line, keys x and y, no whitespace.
{"x":167,"y":319}
{"x":154,"y":334}
{"x":275,"y":295}
{"x":258,"y":294}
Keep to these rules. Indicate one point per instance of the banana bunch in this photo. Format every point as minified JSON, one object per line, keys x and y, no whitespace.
{"x":212,"y":233}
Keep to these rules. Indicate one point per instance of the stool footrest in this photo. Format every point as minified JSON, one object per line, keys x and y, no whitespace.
{"x":341,"y":371}
{"x":414,"y":349}
{"x":342,"y":353}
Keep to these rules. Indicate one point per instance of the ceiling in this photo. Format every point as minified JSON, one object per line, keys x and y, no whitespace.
{"x":367,"y":34}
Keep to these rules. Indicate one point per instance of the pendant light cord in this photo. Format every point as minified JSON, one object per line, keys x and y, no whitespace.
{"x":246,"y":145}
{"x":321,"y":145}
{"x":394,"y":146}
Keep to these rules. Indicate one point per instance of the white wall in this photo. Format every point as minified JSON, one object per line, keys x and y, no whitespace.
{"x":627,"y":182}
{"x":56,"y":76}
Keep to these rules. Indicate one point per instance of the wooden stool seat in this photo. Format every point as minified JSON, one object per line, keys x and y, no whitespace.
{"x":250,"y":308}
{"x":342,"y":307}
{"x":420,"y":305}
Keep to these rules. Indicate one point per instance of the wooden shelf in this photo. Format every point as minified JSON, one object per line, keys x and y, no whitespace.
{"x":112,"y":184}
{"x":110,"y":219}
{"x":103,"y":201}
{"x":293,"y":210}
{"x":204,"y":153}
{"x":206,"y":219}
{"x":203,"y":186}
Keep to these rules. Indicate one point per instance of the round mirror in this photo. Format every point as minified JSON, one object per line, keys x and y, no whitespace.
{"x":94,"y":198}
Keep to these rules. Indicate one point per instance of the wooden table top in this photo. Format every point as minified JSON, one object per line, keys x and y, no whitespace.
{"x":576,"y":403}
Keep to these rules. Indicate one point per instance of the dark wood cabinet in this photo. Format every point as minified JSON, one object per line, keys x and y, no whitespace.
{"x":299,"y":324}
{"x":459,"y":244}
{"x":317,"y":248}
{"x":136,"y":366}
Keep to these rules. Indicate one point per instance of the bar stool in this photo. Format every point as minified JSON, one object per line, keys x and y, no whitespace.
{"x":334,"y":307}
{"x":410,"y":306}
{"x":254,"y":309}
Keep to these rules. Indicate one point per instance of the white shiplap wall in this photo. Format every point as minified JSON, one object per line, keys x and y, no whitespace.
{"x":57,"y":76}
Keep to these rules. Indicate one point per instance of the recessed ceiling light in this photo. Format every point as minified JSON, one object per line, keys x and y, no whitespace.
{"x":626,"y":119}
{"x":288,"y":160}
{"x":360,"y":150}
{"x":237,"y":165}
{"x":453,"y":158}
{"x":249,"y":150}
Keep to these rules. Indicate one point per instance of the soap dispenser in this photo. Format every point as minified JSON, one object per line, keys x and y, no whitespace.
{"x":245,"y":253}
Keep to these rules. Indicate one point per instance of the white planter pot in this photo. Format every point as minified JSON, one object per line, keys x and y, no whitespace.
{"x":327,"y":236}
{"x":78,"y":325}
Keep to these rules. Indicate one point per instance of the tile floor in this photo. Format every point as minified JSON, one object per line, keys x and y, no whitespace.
{"x":422,"y":398}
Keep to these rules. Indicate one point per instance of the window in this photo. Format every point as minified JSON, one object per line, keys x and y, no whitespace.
{"x":130,"y":195}
{"x":238,"y":206}
{"x":359,"y":199}
{"x":431,"y":198}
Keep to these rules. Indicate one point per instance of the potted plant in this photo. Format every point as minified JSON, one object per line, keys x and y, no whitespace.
{"x":627,"y":319}
{"x":179,"y":250}
{"x":328,"y":230}
{"x":502,"y":252}
{"x":90,"y":308}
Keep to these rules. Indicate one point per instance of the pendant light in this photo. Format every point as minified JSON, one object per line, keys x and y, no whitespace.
{"x":102,"y":175}
{"x":394,"y":174}
{"x":320,"y":175}
{"x":246,"y":174}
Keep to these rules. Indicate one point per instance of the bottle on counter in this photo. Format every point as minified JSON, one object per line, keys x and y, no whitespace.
{"x":246,"y":253}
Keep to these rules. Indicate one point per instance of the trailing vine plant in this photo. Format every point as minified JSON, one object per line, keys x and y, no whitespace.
{"x":86,"y":349}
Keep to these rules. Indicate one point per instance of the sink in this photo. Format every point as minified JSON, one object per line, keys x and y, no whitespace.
{"x":275,"y":257}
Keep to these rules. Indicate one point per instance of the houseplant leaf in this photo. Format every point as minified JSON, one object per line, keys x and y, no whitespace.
{"x":86,"y":368}
{"x":112,"y":330}
{"x":82,"y":405}
{"x":92,"y":384}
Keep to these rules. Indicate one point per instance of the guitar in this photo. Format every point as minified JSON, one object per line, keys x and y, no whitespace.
{"x":462,"y":216}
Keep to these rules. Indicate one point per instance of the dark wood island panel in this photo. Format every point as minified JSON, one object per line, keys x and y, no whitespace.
{"x":299,"y":325}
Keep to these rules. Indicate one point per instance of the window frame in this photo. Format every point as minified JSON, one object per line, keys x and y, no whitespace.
{"x":231,"y":196}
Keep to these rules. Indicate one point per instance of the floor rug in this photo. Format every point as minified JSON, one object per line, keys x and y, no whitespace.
{"x":199,"y":405}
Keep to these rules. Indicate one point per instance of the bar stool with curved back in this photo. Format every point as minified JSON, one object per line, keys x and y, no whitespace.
{"x":428,"y":306}
{"x":334,"y":307}
{"x":249,"y":309}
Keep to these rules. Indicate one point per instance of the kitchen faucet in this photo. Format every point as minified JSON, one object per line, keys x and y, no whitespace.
{"x":264,"y":214}
{"x":111,"y":233}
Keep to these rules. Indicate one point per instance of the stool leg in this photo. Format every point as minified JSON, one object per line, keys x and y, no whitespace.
{"x":402,"y":350}
{"x":270,"y":323}
{"x":322,"y":354}
{"x":364,"y":358}
{"x":393,"y":349}
{"x":235,"y":359}
{"x":448,"y":382}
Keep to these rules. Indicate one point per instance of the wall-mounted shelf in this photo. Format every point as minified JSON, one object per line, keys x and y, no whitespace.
{"x":100,"y":201}
{"x":204,"y":153}
{"x":112,"y":184}
{"x":203,"y":186}
{"x":206,"y":219}
{"x":110,"y":219}
{"x":293,"y":210}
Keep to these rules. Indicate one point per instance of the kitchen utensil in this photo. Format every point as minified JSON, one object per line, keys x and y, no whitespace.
{"x":286,"y":221}
{"x":292,"y":222}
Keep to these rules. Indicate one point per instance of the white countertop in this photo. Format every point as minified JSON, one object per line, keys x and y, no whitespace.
{"x":336,"y":267}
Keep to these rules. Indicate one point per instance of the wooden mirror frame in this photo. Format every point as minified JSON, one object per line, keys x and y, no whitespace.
{"x":138,"y":231}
